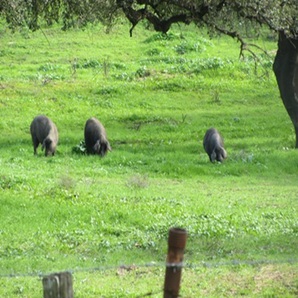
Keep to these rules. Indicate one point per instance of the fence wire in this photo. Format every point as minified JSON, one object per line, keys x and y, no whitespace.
{"x":186,"y":265}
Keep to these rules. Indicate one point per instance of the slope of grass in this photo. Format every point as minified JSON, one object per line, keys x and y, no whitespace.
{"x":156,"y":96}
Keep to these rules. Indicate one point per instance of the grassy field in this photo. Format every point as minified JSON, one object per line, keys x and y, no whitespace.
{"x":156,"y":96}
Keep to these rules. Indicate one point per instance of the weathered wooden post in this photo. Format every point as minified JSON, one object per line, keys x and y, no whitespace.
{"x":58,"y":285}
{"x":176,"y":245}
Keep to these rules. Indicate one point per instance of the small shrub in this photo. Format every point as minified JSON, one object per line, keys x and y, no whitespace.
{"x":161,"y":37}
{"x":216,"y":97}
{"x":80,"y":148}
{"x":138,"y":181}
{"x":66,"y":182}
{"x":45,"y":79}
{"x":6,"y":182}
{"x":152,"y":52}
{"x":142,"y":72}
{"x":123,"y":77}
{"x":48,"y":67}
{"x":61,"y":194}
{"x":118,"y":66}
{"x":170,"y":86}
{"x":186,"y":47}
{"x":181,"y":49}
{"x":92,"y":63}
{"x":108,"y":90}
{"x":244,"y":156}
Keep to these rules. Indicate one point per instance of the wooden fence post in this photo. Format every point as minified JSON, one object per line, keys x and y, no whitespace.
{"x":58,"y":285}
{"x":176,"y":245}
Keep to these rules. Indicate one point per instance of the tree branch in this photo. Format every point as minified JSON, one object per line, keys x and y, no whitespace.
{"x":160,"y":25}
{"x":134,"y":16}
{"x":164,"y":25}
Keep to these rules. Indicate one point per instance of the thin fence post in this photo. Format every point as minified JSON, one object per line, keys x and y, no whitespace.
{"x":176,"y":245}
{"x":58,"y":285}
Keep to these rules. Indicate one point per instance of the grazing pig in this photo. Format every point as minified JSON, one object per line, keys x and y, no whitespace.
{"x":44,"y":132}
{"x":214,"y":146}
{"x":95,"y":138}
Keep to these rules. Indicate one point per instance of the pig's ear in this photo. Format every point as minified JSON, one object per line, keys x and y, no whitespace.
{"x":109,"y":147}
{"x":96,"y":147}
{"x":223,"y":153}
{"x":46,"y":143}
{"x":213,"y":156}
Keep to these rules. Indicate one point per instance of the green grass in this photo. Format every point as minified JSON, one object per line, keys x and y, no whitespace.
{"x":156,"y":96}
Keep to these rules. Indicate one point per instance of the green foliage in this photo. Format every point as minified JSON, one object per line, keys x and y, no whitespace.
{"x":229,"y":18}
{"x":74,"y":211}
{"x":161,"y":37}
{"x":80,"y":148}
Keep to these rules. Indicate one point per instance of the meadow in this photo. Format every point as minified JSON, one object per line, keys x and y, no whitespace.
{"x":106,"y":218}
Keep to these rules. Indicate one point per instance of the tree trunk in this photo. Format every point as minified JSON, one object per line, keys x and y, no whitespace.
{"x":285,"y":67}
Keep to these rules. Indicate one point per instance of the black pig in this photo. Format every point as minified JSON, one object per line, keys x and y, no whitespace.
{"x":214,"y":145}
{"x":96,"y":138}
{"x":44,"y":132}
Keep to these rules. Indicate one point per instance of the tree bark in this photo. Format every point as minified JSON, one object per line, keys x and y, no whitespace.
{"x":285,"y":67}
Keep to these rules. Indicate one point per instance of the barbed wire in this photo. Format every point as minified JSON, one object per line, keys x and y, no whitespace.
{"x":186,"y":265}
{"x":241,"y":263}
